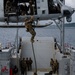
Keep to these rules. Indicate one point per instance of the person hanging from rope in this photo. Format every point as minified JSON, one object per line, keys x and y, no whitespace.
{"x":29,"y":27}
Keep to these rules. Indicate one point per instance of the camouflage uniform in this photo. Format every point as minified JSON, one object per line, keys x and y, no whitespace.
{"x":55,"y":66}
{"x":8,"y":6}
{"x":23,"y":66}
{"x":51,"y":62}
{"x":28,"y":26}
{"x":30,"y":63}
{"x":27,"y":62}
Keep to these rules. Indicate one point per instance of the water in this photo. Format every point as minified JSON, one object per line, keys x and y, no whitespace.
{"x":8,"y":35}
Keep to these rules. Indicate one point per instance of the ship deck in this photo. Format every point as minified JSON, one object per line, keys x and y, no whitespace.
{"x":40,"y":72}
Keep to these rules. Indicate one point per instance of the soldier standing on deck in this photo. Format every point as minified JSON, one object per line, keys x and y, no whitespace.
{"x":23,"y":67}
{"x":52,"y":64}
{"x":57,"y":66}
{"x":30,"y":63}
{"x":27,"y":62}
{"x":29,"y":27}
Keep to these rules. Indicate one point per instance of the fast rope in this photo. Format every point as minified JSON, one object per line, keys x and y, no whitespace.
{"x":34,"y":57}
{"x":33,"y":47}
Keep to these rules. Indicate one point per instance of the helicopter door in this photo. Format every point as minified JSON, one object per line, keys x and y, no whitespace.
{"x":53,"y":7}
{"x":21,"y":7}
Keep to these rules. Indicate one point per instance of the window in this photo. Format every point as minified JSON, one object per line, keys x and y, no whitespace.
{"x":53,"y":8}
{"x":43,"y":11}
{"x":38,"y":7}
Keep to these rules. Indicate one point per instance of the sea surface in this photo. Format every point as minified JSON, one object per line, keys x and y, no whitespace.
{"x":8,"y":35}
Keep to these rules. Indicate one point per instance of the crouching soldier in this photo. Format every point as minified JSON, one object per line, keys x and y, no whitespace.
{"x":29,"y":27}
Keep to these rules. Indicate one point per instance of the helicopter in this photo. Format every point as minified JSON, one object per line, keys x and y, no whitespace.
{"x":18,"y":10}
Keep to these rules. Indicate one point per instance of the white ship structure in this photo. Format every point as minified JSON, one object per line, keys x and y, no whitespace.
{"x":43,"y":48}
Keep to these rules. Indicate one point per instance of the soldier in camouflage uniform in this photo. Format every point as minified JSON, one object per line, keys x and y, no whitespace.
{"x":23,"y":67}
{"x":56,"y":66}
{"x":51,"y":62}
{"x":29,"y":27}
{"x":8,"y":6}
{"x":27,"y":62}
{"x":31,"y":7}
{"x":30,"y":63}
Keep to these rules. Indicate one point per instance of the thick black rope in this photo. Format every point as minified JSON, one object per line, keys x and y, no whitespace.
{"x":34,"y":57}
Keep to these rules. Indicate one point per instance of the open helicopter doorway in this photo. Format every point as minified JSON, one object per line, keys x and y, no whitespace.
{"x":53,"y":7}
{"x":21,"y":7}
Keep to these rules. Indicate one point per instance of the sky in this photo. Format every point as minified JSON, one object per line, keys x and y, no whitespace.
{"x":70,"y":3}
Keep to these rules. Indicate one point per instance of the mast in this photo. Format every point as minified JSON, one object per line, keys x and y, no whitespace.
{"x":62,"y":32}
